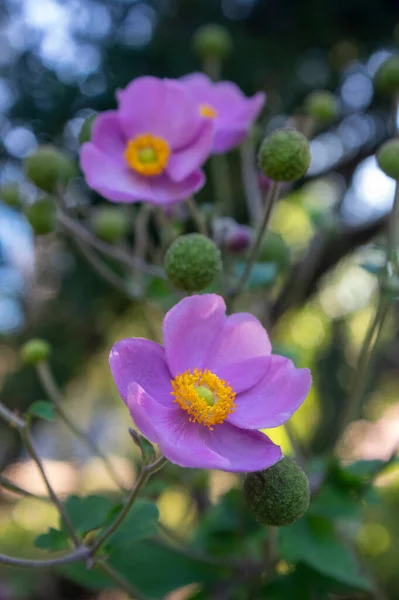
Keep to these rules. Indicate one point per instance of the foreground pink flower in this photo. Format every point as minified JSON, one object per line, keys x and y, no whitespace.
{"x":230,"y":110}
{"x":203,"y":396}
{"x":151,"y":148}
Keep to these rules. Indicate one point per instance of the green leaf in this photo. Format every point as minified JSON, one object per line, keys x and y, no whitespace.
{"x":262,"y":274}
{"x":88,"y":513}
{"x":336,"y":503}
{"x":42,"y":410}
{"x":313,"y":541}
{"x":140,"y":523}
{"x":54,"y":540}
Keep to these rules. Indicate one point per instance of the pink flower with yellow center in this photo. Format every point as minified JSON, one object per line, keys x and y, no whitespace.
{"x":151,"y":148}
{"x":230,"y":110}
{"x":203,"y":396}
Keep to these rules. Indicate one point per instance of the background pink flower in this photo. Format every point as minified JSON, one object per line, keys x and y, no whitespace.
{"x":230,"y":110}
{"x":204,"y":395}
{"x":151,"y":148}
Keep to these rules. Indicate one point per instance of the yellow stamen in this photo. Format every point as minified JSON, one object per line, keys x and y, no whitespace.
{"x":207,"y":110}
{"x":147,"y":154}
{"x":207,"y":399}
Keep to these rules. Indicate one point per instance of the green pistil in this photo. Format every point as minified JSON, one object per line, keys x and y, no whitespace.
{"x":206,"y":394}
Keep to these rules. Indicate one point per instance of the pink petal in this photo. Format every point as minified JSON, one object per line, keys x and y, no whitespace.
{"x":191,"y":329}
{"x":116,"y":182}
{"x":108,"y":136}
{"x":135,"y":360}
{"x":162,"y":107}
{"x":245,"y":451}
{"x":240,"y":355}
{"x":150,"y":417}
{"x":275,"y":398}
{"x":184,"y":162}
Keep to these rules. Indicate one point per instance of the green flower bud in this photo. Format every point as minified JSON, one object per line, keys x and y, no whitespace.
{"x":284,"y":155}
{"x":278,"y":496}
{"x":41,"y":216}
{"x":10,"y":194}
{"x":192,"y":262}
{"x":85,"y":132}
{"x":387,"y":77}
{"x":110,"y":224}
{"x":322,"y":105}
{"x":274,"y":249}
{"x":388,"y":158}
{"x":212,"y":41}
{"x":49,"y":167}
{"x":35,"y":351}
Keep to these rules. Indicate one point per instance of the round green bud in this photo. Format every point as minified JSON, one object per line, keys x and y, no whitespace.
{"x":85,"y":132}
{"x":10,"y":194}
{"x":387,"y":77}
{"x":110,"y":224}
{"x":322,"y":105}
{"x":35,"y":351}
{"x":284,"y":155}
{"x":192,"y":262}
{"x":278,"y":496}
{"x":388,"y":158}
{"x":212,"y":41}
{"x":274,"y":250}
{"x":49,"y":167}
{"x":41,"y":216}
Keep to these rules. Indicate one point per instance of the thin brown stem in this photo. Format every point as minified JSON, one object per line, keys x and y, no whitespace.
{"x":197,"y":216}
{"x":78,"y":555}
{"x":7,"y":484}
{"x":250,"y":179}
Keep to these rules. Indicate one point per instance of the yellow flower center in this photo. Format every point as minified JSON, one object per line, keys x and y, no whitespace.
{"x":207,"y":399}
{"x":207,"y":110}
{"x":147,"y":154}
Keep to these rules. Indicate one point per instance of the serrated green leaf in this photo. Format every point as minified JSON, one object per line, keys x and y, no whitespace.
{"x":88,"y":513}
{"x":54,"y":540}
{"x":313,"y":541}
{"x":140,"y":523}
{"x":42,"y":410}
{"x":262,"y":275}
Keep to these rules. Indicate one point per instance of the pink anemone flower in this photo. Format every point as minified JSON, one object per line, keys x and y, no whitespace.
{"x":203,"y":396}
{"x":230,"y":110}
{"x":151,"y":148}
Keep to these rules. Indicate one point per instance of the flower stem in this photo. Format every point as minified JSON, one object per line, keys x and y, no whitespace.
{"x":53,"y":392}
{"x":145,"y":474}
{"x":197,"y":216}
{"x":254,"y":251}
{"x":78,"y":555}
{"x":253,"y":195}
{"x":7,"y":484}
{"x":221,"y":183}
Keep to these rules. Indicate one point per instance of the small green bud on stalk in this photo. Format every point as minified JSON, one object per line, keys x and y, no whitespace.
{"x":388,"y":158}
{"x":10,"y":194}
{"x":387,"y":77}
{"x":322,"y":105}
{"x":49,"y":167}
{"x":42,"y":216}
{"x":192,"y":262}
{"x":35,"y":351}
{"x":212,"y":42}
{"x":284,"y":155}
{"x":86,"y":130}
{"x":110,"y":224}
{"x":278,"y":496}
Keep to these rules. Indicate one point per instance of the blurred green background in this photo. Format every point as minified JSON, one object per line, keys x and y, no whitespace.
{"x":60,"y":62}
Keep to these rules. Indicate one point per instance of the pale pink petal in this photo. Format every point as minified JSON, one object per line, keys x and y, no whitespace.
{"x":245,"y":451}
{"x":190,"y":331}
{"x":275,"y":398}
{"x":185,"y":161}
{"x":136,"y":360}
{"x":150,"y":417}
{"x":108,"y":136}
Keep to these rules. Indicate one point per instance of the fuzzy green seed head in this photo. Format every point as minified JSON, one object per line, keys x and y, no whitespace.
{"x":388,"y":158}
{"x":110,"y":224}
{"x":274,"y":249}
{"x":85,"y":132}
{"x":35,"y":351}
{"x":41,"y":216}
{"x":49,"y":167}
{"x":10,"y":194}
{"x":284,"y":155}
{"x":212,"y":41}
{"x":387,"y":77}
{"x":322,"y":105}
{"x":278,"y":496}
{"x":192,"y":262}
